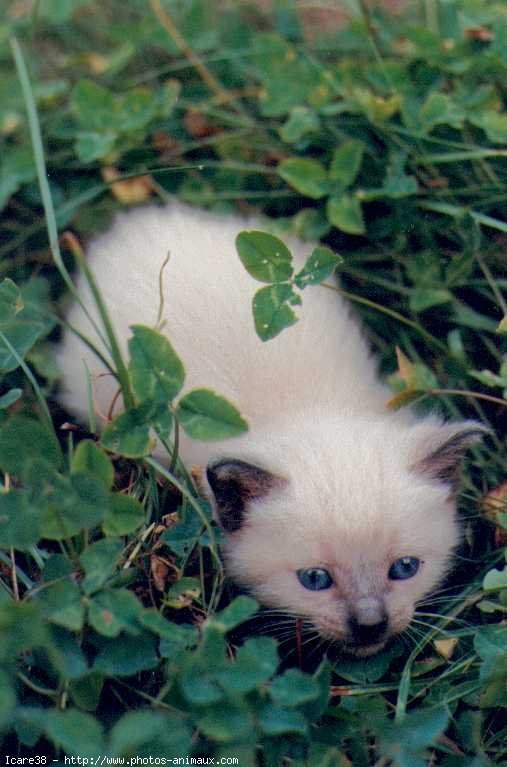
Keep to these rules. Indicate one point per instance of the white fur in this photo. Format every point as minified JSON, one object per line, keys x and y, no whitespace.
{"x":352,"y":501}
{"x":322,"y":359}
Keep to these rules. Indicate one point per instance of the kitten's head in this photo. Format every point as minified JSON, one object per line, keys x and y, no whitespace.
{"x":345,"y":523}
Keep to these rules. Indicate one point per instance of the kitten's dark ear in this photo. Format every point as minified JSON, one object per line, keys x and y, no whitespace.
{"x":234,"y":484}
{"x":444,"y":452}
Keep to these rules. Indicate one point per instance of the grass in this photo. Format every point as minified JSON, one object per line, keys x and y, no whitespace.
{"x":424,"y":264}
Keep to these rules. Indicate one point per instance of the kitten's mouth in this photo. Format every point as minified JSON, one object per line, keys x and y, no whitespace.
{"x":364,"y":651}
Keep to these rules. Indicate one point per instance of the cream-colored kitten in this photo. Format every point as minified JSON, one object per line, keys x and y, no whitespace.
{"x":333,"y":509}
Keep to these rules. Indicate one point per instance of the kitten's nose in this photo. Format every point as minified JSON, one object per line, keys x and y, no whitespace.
{"x":367,"y":633}
{"x":368,"y":621}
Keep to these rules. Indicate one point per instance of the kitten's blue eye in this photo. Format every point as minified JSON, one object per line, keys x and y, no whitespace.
{"x":404,"y":568}
{"x":315,"y":578}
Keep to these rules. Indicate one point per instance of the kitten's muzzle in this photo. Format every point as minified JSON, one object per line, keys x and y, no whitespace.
{"x":368,"y":622}
{"x":365,"y":634}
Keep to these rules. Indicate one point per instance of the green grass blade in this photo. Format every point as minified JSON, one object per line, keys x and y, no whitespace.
{"x":26,"y":370}
{"x":40,"y":163}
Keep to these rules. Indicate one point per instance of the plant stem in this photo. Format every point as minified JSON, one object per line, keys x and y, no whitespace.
{"x":172,"y":30}
{"x":42,"y":176}
{"x":193,"y":502}
{"x":389,"y":312}
{"x":26,"y":370}
{"x":466,"y":393}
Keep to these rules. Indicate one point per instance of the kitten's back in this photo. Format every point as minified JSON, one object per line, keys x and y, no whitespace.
{"x":207,"y":293}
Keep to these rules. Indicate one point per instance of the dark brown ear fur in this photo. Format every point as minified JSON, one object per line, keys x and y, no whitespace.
{"x":234,"y":484}
{"x":443,"y":463}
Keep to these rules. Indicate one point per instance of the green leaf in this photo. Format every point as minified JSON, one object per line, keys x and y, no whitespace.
{"x":162,"y":421}
{"x":182,"y":536}
{"x":464,"y":315}
{"x":93,"y":106}
{"x":495,"y":580}
{"x":201,"y":689}
{"x":327,"y":756}
{"x":239,"y":610}
{"x":256,"y":662}
{"x":86,"y":692}
{"x":91,"y":145}
{"x":294,"y":688}
{"x":405,"y":741}
{"x":424,"y":298}
{"x":58,"y":13}
{"x":226,"y":723}
{"x":21,"y":335}
{"x":88,"y":458}
{"x":57,"y":566}
{"x":346,"y":162}
{"x":17,"y":168}
{"x":265,"y":257}
{"x":318,"y":267}
{"x":11,"y":302}
{"x":322,"y":677}
{"x":309,"y":224}
{"x":167,"y":97}
{"x":69,"y":504}
{"x":272,"y":311}
{"x":23,"y":439}
{"x":99,"y":561}
{"x":9,"y":398}
{"x":134,"y":110}
{"x":489,"y":606}
{"x":128,"y":657}
{"x":62,"y":604}
{"x":112,"y":612}
{"x":490,"y":643}
{"x":366,"y":671}
{"x":440,"y":109}
{"x":182,"y":593}
{"x":289,"y":79}
{"x":20,"y":526}
{"x":152,"y":734}
{"x":124,"y":515}
{"x":77,"y":733}
{"x":378,"y":109}
{"x":493,"y":695}
{"x":206,"y":415}
{"x":65,"y":654}
{"x":346,"y":214}
{"x":397,"y":183}
{"x":31,"y":322}
{"x":156,"y":371}
{"x":493,"y":123}
{"x":275,"y":720}
{"x":176,"y":634}
{"x":21,"y":628}
{"x":488,"y":378}
{"x":301,"y":121}
{"x":129,"y":433}
{"x":28,"y":732}
{"x":309,"y":177}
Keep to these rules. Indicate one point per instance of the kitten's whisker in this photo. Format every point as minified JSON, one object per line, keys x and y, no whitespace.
{"x":454,"y":587}
{"x":432,"y":627}
{"x":415,"y":636}
{"x":447,"y":618}
{"x":415,"y":632}
{"x":290,"y":632}
{"x":323,"y":642}
{"x":281,"y":622}
{"x":276,"y":611}
{"x":434,"y":600}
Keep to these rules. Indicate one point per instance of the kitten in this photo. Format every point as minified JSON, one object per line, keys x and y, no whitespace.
{"x":333,"y":509}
